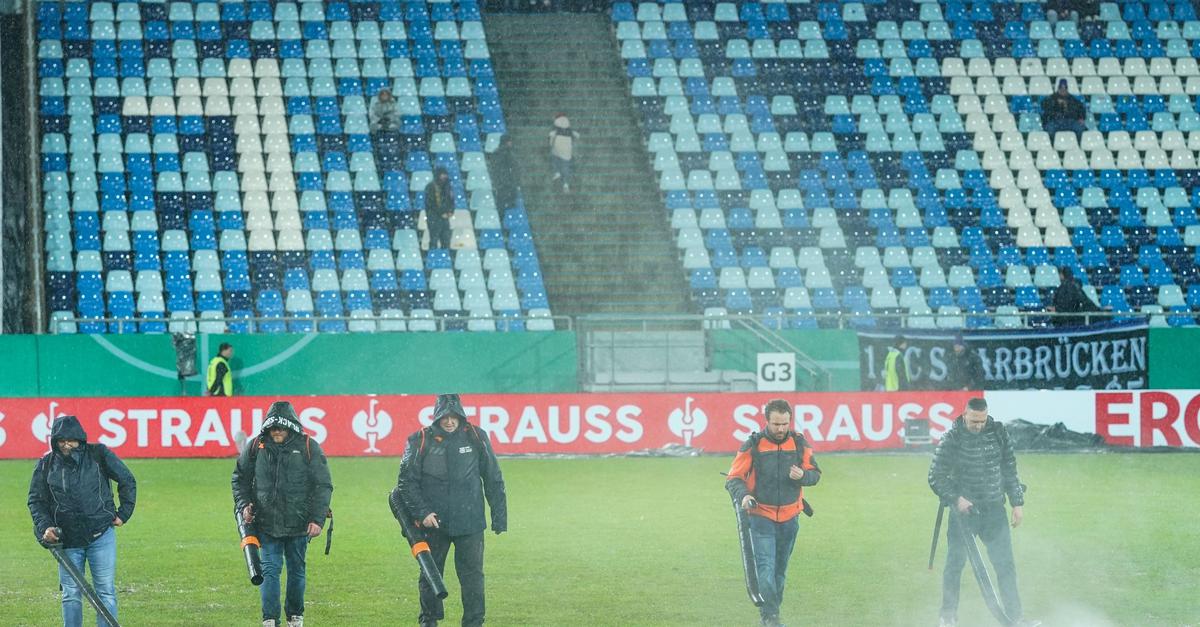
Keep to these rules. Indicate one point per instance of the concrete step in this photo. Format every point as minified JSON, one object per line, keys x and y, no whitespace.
{"x":606,"y":247}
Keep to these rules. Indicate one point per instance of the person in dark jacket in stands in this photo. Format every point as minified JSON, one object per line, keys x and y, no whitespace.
{"x":767,"y":478}
{"x":71,"y":501}
{"x":282,"y":484}
{"x":1063,"y":112}
{"x":974,"y":471}
{"x":439,"y":207}
{"x":446,"y":471}
{"x":1069,"y":298}
{"x":964,"y":368}
{"x":503,"y":167}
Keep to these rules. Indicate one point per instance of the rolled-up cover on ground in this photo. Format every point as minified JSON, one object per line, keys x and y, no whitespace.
{"x":749,"y":565}
{"x":420,"y":548}
{"x":250,"y":545}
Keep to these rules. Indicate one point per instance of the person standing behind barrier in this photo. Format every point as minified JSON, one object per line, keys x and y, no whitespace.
{"x":70,"y":492}
{"x":964,"y":368}
{"x":562,"y":150}
{"x":447,"y":469}
{"x":895,"y":372}
{"x":974,"y":470}
{"x":439,"y":207}
{"x":767,"y":478}
{"x":1069,"y":298}
{"x":282,"y":484}
{"x":220,"y":377}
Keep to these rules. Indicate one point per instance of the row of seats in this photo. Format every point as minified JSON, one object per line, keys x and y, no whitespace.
{"x":221,"y":154}
{"x":950,"y":159}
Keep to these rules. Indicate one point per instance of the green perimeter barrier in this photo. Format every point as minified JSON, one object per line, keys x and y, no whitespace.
{"x":144,"y":365}
{"x":836,"y":350}
{"x":384,"y":363}
{"x":1173,"y":358}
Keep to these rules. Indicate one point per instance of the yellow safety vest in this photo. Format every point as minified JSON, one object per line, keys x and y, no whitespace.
{"x":891,"y":378}
{"x":226,"y":388}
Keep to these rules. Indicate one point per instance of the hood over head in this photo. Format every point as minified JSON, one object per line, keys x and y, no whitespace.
{"x":281,"y":414}
{"x":66,"y":428}
{"x":448,"y":404}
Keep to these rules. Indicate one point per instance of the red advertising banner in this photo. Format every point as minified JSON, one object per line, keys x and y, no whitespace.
{"x":516,"y":423}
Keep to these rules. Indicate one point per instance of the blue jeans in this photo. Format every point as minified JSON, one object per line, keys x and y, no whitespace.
{"x":562,"y":167}
{"x":773,"y":543}
{"x":101,"y":558}
{"x":274,"y":552}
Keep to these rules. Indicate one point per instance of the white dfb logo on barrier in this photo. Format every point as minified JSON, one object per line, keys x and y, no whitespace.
{"x":372,"y":425}
{"x":41,"y":424}
{"x":687,"y":422}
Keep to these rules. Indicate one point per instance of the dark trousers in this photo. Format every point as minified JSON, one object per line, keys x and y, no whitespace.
{"x":991,"y":525}
{"x":439,"y":232}
{"x":773,"y":543}
{"x":468,"y":563}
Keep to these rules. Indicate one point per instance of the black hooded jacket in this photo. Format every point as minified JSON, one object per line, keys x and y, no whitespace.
{"x":980,"y":467}
{"x":449,"y":474}
{"x":288,"y":483}
{"x":73,"y":492}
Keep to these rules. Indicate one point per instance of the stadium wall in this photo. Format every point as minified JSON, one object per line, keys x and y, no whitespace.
{"x":57,"y":366}
{"x":144,"y":365}
{"x":836,"y":350}
{"x":1172,"y":358}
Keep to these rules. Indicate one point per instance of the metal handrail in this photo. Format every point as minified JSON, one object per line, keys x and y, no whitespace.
{"x":194,"y":323}
{"x":764,"y":326}
{"x":772,"y":338}
{"x":1023,"y":319}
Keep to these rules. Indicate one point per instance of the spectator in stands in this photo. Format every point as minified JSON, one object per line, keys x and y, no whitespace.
{"x":439,"y":207}
{"x":562,"y":150}
{"x":895,"y":373}
{"x":1073,"y":10}
{"x":1063,"y":112}
{"x":1069,"y":298}
{"x":504,"y":173}
{"x":384,"y":114}
{"x":71,"y":501}
{"x":220,"y":376}
{"x":964,"y":368}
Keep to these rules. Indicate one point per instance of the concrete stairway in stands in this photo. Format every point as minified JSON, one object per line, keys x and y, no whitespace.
{"x":606,"y":247}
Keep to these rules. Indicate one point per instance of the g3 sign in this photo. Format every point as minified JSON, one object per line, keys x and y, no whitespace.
{"x":776,"y":372}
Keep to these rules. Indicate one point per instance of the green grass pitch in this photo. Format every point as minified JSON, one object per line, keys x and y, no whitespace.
{"x":1109,"y":539}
